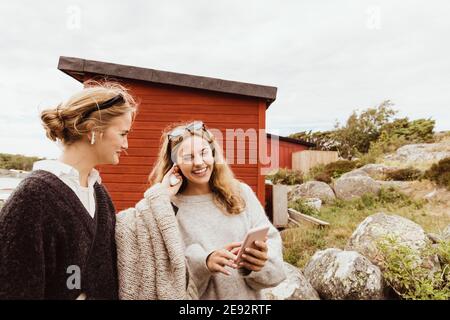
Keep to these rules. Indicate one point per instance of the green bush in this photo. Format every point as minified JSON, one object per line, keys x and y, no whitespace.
{"x":371,"y":133}
{"x":440,"y":173}
{"x":405,"y":174}
{"x":415,"y":131}
{"x":17,"y":162}
{"x":405,"y":270}
{"x":333,"y":170}
{"x":384,"y":145}
{"x":286,"y":176}
{"x":323,"y":177}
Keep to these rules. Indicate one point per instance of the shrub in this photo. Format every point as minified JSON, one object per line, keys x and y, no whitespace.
{"x":323,"y":177}
{"x":301,"y":206}
{"x":385,"y":144}
{"x":286,"y":176}
{"x":371,"y":133}
{"x":16,"y":161}
{"x":356,"y":135}
{"x":405,"y":271}
{"x":392,"y":196}
{"x":333,"y":170}
{"x":440,"y":173}
{"x":406,"y":174}
{"x":415,"y":131}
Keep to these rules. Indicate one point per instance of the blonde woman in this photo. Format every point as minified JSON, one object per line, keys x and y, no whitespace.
{"x":214,"y":212}
{"x":57,"y":228}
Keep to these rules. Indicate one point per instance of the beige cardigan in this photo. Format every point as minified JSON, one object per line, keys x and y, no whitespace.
{"x":150,"y":252}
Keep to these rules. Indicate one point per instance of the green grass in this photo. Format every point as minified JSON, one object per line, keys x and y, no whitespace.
{"x":344,"y":216}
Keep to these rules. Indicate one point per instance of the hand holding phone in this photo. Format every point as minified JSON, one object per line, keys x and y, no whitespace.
{"x":255,"y":234}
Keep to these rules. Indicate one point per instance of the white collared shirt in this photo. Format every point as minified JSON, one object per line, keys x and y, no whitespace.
{"x":71,"y":177}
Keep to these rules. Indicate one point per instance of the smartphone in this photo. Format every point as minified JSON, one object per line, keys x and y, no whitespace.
{"x":255,"y":234}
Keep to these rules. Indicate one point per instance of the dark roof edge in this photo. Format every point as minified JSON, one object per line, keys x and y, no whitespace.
{"x":71,"y":66}
{"x":292,"y":140}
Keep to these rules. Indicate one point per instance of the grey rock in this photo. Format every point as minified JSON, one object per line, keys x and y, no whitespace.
{"x":378,"y":227}
{"x":337,"y":274}
{"x":295,"y":287}
{"x":312,"y":189}
{"x":315,"y":203}
{"x":355,"y":173}
{"x":421,"y":152}
{"x":377,"y":169}
{"x":348,"y":188}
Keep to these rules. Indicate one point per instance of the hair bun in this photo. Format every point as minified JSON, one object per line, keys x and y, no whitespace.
{"x":53,"y":123}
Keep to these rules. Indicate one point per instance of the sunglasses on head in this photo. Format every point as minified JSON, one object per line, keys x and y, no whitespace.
{"x":193,"y":126}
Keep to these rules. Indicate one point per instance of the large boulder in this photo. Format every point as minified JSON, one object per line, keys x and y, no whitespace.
{"x":375,"y":170}
{"x":337,"y":274}
{"x":355,"y":173}
{"x":312,"y":189}
{"x":347,"y":188}
{"x":422,"y":152}
{"x":294,"y":287}
{"x":378,"y":227}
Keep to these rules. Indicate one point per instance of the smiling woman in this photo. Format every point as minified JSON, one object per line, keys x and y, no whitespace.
{"x":214,"y":212}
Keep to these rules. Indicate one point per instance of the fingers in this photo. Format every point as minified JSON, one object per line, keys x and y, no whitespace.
{"x":233,"y":245}
{"x":261,"y":245}
{"x":219,"y":259}
{"x":255,"y":261}
{"x":235,"y":251}
{"x":250,"y":266}
{"x":227,"y":254}
{"x":225,"y":262}
{"x":262,"y":255}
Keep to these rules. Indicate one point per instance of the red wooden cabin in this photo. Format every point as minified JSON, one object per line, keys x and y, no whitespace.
{"x":286,"y":147}
{"x":167,"y":97}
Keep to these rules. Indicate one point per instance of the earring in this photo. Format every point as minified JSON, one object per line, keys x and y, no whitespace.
{"x":93,"y":138}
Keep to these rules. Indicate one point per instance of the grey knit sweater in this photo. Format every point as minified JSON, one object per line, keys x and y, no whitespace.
{"x":150,"y":251}
{"x":205,"y":228}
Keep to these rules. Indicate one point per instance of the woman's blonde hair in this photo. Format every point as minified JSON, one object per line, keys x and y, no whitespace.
{"x":224,"y":185}
{"x":73,"y":119}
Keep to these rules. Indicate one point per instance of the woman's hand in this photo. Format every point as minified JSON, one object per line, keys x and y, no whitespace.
{"x":166,"y":180}
{"x":255,"y":259}
{"x":218,"y":259}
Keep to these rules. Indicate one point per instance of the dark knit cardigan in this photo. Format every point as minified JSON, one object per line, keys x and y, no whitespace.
{"x":44,"y":230}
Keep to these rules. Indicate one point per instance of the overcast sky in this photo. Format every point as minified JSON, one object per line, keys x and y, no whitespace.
{"x":327,"y":58}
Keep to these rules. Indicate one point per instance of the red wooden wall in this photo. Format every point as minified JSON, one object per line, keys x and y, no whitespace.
{"x":161,"y":105}
{"x":284,"y":152}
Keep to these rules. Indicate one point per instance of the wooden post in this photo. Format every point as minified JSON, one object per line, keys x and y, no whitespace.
{"x":280,"y":206}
